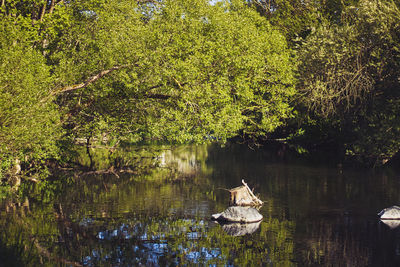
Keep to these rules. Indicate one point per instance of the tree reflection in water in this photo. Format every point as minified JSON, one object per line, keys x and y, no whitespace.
{"x":160,"y":216}
{"x":240,"y":229}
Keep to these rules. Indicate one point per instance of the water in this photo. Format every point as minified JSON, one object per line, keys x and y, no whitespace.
{"x":314,"y":214}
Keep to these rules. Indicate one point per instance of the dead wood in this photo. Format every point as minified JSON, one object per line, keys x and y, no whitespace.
{"x":243,"y":196}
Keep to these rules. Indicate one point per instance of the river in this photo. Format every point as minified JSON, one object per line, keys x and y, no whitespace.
{"x":316,"y":213}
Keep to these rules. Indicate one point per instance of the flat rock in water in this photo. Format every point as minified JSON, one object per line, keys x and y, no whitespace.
{"x":392,"y":213}
{"x":238,"y":214}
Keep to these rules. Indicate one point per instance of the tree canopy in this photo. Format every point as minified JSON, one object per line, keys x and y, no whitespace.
{"x":176,"y":71}
{"x":191,"y":70}
{"x":195,"y":71}
{"x":349,"y":78}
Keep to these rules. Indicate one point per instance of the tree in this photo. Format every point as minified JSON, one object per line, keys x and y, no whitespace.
{"x":297,"y":18}
{"x":190,"y":71}
{"x":349,"y":79}
{"x":176,"y":71}
{"x":29,"y":127}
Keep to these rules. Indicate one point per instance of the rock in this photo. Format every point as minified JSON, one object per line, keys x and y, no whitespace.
{"x":392,"y":213}
{"x":238,"y":214}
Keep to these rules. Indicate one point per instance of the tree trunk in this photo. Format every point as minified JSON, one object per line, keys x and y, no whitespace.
{"x":88,"y":152}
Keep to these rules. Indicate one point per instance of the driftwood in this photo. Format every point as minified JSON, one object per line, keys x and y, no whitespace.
{"x":243,"y":196}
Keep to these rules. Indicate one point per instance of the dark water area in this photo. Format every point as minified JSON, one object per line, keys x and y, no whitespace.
{"x":315,"y":214}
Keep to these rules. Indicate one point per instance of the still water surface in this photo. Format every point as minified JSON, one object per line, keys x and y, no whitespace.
{"x":314,"y":215}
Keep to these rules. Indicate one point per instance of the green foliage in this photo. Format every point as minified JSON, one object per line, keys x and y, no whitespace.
{"x":191,"y":71}
{"x":29,"y":124}
{"x":298,"y":18}
{"x":349,"y":79}
{"x":185,"y":72}
{"x":294,"y":18}
{"x":333,"y":76}
{"x":194,"y":70}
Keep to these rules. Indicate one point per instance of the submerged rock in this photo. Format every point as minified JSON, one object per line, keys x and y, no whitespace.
{"x":238,"y":214}
{"x":239,"y":229}
{"x":392,"y":213}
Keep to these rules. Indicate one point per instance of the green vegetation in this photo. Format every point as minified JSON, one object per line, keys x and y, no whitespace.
{"x":118,"y":72}
{"x":320,"y":73}
{"x":29,"y":127}
{"x":349,"y":80}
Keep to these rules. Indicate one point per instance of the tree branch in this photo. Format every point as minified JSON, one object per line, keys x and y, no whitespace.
{"x":89,"y":81}
{"x":42,"y":11}
{"x":157,"y":96}
{"x":103,"y":73}
{"x":52,"y":5}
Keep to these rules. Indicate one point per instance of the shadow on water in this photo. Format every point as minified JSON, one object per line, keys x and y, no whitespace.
{"x":160,"y":215}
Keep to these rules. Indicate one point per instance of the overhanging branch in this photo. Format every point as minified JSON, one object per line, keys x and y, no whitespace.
{"x":103,"y":73}
{"x":157,"y":96}
{"x":89,"y":81}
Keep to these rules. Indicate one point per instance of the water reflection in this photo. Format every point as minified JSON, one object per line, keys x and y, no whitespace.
{"x":391,"y":223}
{"x":313,"y":215}
{"x":239,"y":229}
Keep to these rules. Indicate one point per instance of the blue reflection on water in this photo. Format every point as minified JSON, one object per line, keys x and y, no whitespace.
{"x":149,"y":249}
{"x":204,"y":254}
{"x":123,"y":232}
